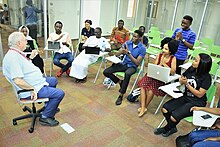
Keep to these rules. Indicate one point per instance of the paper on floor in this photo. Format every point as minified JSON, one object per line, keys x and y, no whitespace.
{"x":67,"y":128}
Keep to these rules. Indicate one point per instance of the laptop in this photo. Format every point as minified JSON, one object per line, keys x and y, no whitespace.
{"x":92,"y":50}
{"x":160,"y":73}
{"x":53,"y":45}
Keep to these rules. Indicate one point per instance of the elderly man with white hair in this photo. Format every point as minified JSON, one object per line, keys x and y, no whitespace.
{"x":24,"y":75}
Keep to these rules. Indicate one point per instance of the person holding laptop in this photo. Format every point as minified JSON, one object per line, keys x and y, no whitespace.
{"x":134,"y":52}
{"x":79,"y":68}
{"x":64,"y":52}
{"x":32,"y":47}
{"x":197,"y":81}
{"x":149,"y":86}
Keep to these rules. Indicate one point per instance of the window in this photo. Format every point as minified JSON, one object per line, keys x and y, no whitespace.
{"x":154,"y":13}
{"x":131,"y":8}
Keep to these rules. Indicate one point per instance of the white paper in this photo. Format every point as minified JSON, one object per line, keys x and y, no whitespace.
{"x":67,"y":128}
{"x":113,"y":59}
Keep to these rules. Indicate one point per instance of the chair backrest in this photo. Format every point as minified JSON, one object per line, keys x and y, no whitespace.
{"x":197,"y":43}
{"x":215,"y":50}
{"x":154,"y":33}
{"x":210,"y":93}
{"x":168,"y":33}
{"x":153,"y":28}
{"x":156,"y":40}
{"x":198,"y":51}
{"x":207,"y":42}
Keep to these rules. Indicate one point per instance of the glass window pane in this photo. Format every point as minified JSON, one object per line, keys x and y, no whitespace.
{"x":211,"y":23}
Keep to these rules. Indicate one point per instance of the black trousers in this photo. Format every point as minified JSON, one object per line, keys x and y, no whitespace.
{"x":180,"y":108}
{"x":33,"y":31}
{"x":129,"y":71}
{"x":178,"y":63}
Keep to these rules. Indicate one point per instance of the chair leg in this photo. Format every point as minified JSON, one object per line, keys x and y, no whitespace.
{"x":100,"y":66}
{"x":27,"y":109}
{"x":109,"y":86}
{"x":161,"y":123}
{"x":161,"y":102}
{"x":23,"y":117}
{"x":33,"y":122}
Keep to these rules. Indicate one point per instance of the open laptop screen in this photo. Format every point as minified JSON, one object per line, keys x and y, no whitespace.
{"x":53,"y":45}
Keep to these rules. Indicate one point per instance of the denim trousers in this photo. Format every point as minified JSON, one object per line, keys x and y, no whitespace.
{"x":54,"y":94}
{"x":68,"y":56}
{"x":197,"y":138}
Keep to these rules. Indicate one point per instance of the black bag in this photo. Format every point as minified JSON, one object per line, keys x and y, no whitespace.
{"x":133,"y":97}
{"x":183,"y":141}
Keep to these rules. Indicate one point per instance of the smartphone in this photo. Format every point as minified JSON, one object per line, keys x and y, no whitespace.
{"x":207,"y":116}
{"x":177,"y":91}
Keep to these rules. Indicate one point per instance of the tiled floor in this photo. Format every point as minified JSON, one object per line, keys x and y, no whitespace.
{"x":89,"y":108}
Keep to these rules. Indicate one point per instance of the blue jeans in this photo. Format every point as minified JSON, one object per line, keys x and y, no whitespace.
{"x":197,"y":138}
{"x":54,"y":94}
{"x":68,"y":56}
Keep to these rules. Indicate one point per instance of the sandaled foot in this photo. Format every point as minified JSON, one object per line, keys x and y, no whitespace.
{"x":142,"y":112}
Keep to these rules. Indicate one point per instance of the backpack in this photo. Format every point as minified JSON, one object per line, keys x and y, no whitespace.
{"x":133,"y":97}
{"x":183,"y":141}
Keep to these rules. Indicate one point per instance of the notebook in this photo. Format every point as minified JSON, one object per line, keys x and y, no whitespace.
{"x":160,"y":73}
{"x":53,"y":45}
{"x":92,"y":50}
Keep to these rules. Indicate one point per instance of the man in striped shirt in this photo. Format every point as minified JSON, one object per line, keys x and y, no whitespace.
{"x":186,"y":38}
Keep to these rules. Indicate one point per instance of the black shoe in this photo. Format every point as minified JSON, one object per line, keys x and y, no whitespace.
{"x":168,"y":133}
{"x":119,"y":100}
{"x":159,"y":131}
{"x":48,"y":122}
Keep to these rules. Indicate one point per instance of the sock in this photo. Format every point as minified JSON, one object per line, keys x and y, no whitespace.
{"x":42,"y":116}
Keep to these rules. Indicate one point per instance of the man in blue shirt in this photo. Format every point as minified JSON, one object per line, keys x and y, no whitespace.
{"x":30,"y":13}
{"x":134,"y":52}
{"x":186,"y":38}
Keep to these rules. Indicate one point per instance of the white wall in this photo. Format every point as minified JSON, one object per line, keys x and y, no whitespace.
{"x":67,"y":12}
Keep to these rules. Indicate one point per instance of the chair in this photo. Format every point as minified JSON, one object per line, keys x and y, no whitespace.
{"x":198,"y":51}
{"x":33,"y":113}
{"x":215,"y":53}
{"x":207,"y":42}
{"x":153,"y":51}
{"x":153,"y":34}
{"x":210,"y":99}
{"x":153,"y":28}
{"x":53,"y":53}
{"x":168,"y":33}
{"x":122,"y":74}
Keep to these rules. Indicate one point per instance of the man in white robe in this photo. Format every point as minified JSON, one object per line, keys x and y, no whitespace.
{"x":79,"y":68}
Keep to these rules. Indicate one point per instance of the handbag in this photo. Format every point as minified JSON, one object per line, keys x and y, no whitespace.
{"x":133,"y":97}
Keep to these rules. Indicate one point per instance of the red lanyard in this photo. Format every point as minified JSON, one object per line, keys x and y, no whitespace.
{"x":19,"y":53}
